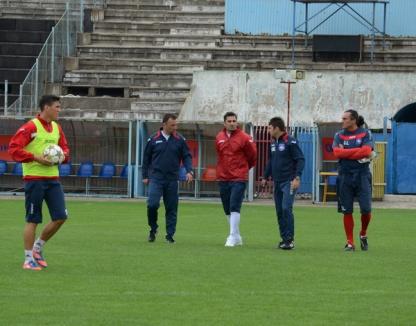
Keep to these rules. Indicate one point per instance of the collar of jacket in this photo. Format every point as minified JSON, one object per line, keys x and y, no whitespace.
{"x":159,"y":133}
{"x":284,"y":137}
{"x":238,"y":130}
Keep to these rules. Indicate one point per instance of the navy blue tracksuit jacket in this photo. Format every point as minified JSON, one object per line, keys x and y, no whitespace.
{"x":286,"y":160}
{"x":162,"y":158}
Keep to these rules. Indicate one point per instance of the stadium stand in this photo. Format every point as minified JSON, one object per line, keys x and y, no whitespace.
{"x":20,"y":43}
{"x":139,"y":58}
{"x":36,"y":9}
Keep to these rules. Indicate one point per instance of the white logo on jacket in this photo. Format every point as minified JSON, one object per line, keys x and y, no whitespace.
{"x":281,"y":147}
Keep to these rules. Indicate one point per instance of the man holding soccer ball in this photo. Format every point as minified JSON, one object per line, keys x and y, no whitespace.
{"x":41,"y":174}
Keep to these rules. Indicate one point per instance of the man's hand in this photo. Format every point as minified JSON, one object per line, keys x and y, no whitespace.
{"x":42,"y":160}
{"x":146,"y":181}
{"x":189,"y":177}
{"x":295,"y":183}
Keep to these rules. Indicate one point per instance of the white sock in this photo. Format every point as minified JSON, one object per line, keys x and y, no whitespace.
{"x":28,"y":255}
{"x":228,"y":218}
{"x":234,"y":224}
{"x":38,"y":245}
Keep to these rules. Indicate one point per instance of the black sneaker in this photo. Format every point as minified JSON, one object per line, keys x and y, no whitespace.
{"x":364,"y":243}
{"x":349,"y":247}
{"x":152,"y":236}
{"x":169,"y":239}
{"x":280,"y":244}
{"x":287,"y":245}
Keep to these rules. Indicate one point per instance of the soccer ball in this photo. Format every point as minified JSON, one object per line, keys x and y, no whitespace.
{"x":54,"y":153}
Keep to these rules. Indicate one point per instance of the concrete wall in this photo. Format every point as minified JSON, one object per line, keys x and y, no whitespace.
{"x":320,"y":97}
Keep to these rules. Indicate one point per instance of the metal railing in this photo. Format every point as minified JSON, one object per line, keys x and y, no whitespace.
{"x":49,"y":66}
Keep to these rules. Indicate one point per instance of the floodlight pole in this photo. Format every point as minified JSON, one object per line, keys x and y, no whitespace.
{"x":289,"y":83}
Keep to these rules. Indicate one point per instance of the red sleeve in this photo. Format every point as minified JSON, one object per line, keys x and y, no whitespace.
{"x":250,"y":151}
{"x":352,"y":153}
{"x":63,"y":144}
{"x":20,"y":140}
{"x":217,"y":146}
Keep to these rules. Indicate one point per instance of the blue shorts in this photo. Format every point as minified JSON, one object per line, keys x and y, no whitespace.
{"x":354,"y":185}
{"x":49,"y":190}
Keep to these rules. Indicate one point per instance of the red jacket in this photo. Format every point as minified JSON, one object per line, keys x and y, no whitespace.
{"x":24,"y":136}
{"x":236,"y":155}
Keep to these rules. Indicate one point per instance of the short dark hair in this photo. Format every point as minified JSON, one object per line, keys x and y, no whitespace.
{"x":358,"y":118}
{"x":229,"y":114}
{"x":277,"y":122}
{"x":168,"y":116}
{"x":47,"y":100}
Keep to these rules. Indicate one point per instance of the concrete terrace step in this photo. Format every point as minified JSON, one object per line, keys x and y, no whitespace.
{"x":166,"y":64}
{"x":221,"y":41}
{"x":32,"y":13}
{"x":18,"y":62}
{"x":154,"y":93}
{"x":20,"y":49}
{"x":377,"y":66}
{"x":36,"y":9}
{"x":13,"y":74}
{"x":160,"y":107}
{"x":104,"y":103}
{"x":165,"y":15}
{"x":187,"y":28}
{"x":11,"y":36}
{"x":138,"y":65}
{"x":32,"y":25}
{"x":143,"y":52}
{"x":184,"y":5}
{"x":153,"y":40}
{"x":126,"y":79}
{"x":166,"y":2}
{"x":41,"y":3}
{"x":189,"y":53}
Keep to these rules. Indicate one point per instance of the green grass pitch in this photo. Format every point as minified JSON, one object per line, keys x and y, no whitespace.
{"x":102,"y":270}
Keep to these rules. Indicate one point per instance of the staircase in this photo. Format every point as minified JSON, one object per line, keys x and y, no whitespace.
{"x":139,"y":58}
{"x":145,"y":51}
{"x":36,"y":9}
{"x":20,"y":43}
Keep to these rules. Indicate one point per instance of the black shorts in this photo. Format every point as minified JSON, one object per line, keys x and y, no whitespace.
{"x":354,"y":185}
{"x":48,"y":190}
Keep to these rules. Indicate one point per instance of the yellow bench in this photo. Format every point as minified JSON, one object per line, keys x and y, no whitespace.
{"x":326,"y":193}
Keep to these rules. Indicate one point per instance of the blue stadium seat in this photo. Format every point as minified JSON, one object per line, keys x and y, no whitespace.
{"x":125,"y":171}
{"x":3,"y":167}
{"x":65,"y":169}
{"x":108,"y":170}
{"x":86,"y":169}
{"x":17,"y":169}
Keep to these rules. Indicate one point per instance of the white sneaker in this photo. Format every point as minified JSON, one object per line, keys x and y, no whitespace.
{"x":233,"y":241}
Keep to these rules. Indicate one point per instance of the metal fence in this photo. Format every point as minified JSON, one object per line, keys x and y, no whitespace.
{"x":94,"y":144}
{"x":122,"y":144}
{"x":307,"y":140}
{"x":49,"y":66}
